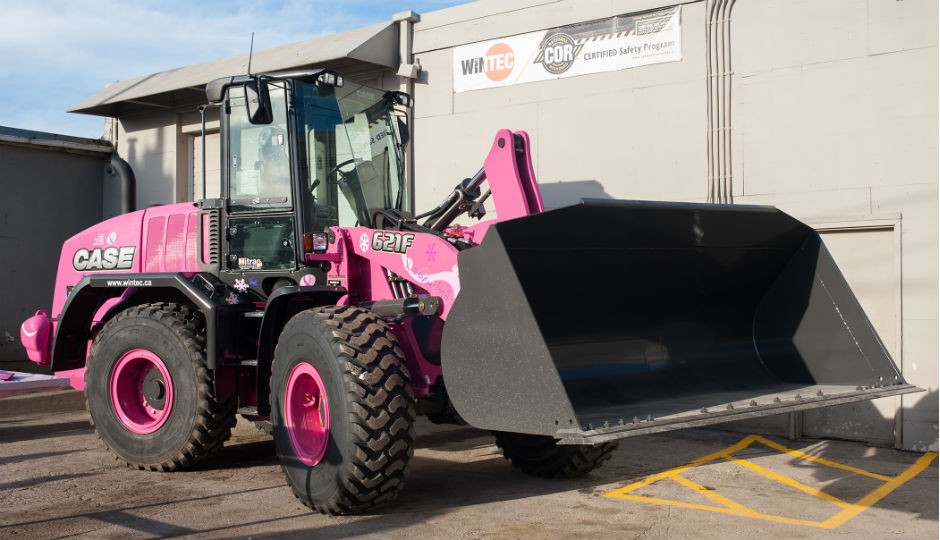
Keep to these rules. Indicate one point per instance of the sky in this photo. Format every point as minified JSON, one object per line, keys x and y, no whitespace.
{"x":56,"y":53}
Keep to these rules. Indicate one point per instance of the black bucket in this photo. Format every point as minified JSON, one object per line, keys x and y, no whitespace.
{"x":615,"y":318}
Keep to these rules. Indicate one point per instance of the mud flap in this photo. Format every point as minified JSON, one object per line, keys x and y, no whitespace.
{"x":616,"y":318}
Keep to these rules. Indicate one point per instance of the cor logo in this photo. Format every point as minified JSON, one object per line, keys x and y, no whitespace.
{"x":558,"y":53}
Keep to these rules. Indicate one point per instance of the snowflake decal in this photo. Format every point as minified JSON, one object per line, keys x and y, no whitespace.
{"x":240,"y":285}
{"x":232,"y":298}
{"x":364,"y":243}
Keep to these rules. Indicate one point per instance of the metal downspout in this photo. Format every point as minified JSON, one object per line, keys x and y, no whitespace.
{"x":408,"y":71}
{"x":718,"y":65}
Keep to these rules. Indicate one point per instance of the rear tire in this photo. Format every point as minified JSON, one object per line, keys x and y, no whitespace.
{"x":149,"y":393}
{"x":342,"y":409}
{"x":540,"y":455}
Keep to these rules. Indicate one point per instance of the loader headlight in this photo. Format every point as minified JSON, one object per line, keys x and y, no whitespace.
{"x":316,"y":242}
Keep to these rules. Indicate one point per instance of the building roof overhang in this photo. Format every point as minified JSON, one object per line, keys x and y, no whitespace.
{"x":370,"y":47}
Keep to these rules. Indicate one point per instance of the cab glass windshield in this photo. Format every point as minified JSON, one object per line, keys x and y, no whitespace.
{"x":352,"y":162}
{"x":259,"y":156}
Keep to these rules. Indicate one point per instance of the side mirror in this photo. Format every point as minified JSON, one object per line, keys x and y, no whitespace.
{"x":399,"y":98}
{"x":404,"y":134}
{"x":258,"y":102}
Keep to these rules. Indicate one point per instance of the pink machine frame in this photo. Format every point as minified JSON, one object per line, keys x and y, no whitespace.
{"x":172,"y":239}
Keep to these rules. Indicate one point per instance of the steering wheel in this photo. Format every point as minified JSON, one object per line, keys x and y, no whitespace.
{"x":337,"y":169}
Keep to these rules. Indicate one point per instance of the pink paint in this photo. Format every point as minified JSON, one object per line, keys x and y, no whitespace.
{"x":76,"y":377}
{"x":160,"y":239}
{"x":172,"y":239}
{"x":126,"y":389}
{"x":120,"y":232}
{"x":154,"y":246}
{"x":307,"y":414}
{"x":193,"y":242}
{"x":511,"y":178}
{"x":36,"y":336}
{"x":437,"y":277}
{"x":174,"y":221}
{"x":175,"y":254}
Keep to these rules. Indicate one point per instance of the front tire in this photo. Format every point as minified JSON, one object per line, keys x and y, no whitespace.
{"x":342,"y":409}
{"x":540,"y":455}
{"x":149,"y":393}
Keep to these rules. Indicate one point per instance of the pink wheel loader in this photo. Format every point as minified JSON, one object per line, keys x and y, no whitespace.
{"x":310,"y":297}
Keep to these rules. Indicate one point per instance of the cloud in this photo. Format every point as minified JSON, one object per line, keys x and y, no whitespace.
{"x":56,"y":52}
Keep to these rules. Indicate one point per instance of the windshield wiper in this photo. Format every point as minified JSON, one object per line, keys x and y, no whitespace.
{"x":258,"y":200}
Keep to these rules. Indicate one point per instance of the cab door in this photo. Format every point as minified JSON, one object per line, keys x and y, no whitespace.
{"x":260,"y":224}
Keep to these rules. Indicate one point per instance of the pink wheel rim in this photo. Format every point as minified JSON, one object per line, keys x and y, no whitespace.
{"x":141,"y":391}
{"x":307,"y":414}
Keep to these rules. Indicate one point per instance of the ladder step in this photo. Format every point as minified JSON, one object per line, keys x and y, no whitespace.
{"x":253,"y":314}
{"x":248,"y":411}
{"x":248,"y":363}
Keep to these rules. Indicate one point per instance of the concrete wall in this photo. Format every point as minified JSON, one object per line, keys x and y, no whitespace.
{"x":636,"y":133}
{"x":835,"y":108}
{"x":833,"y":119}
{"x":49,"y":194}
{"x":156,"y":150}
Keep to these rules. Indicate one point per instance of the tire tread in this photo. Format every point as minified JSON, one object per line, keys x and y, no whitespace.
{"x":381,"y":413}
{"x":542,"y":456}
{"x":215,"y":418}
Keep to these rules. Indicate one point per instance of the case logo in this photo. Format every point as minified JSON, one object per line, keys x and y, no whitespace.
{"x":112,"y":258}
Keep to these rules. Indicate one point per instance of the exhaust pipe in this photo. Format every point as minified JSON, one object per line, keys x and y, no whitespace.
{"x":122,"y":169}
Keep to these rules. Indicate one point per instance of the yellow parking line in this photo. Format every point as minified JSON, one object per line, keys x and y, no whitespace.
{"x":727,"y":506}
{"x":821,"y":461}
{"x":786,"y":480}
{"x":711,"y":494}
{"x":879,"y":493}
{"x":719,"y":509}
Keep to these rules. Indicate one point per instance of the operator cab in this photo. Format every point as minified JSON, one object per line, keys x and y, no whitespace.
{"x":302,"y":152}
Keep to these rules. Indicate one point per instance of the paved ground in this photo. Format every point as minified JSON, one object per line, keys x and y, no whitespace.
{"x":56,"y":481}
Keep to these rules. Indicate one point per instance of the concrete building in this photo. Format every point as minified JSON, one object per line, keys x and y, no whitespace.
{"x":827,"y":110}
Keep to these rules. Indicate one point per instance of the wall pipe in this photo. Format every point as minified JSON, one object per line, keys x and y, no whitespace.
{"x":122,"y":169}
{"x":718,"y":66}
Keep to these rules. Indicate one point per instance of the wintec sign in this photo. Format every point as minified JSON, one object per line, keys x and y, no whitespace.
{"x":592,"y":47}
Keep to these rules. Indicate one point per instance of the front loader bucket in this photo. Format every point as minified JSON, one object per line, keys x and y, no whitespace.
{"x":615,"y":318}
